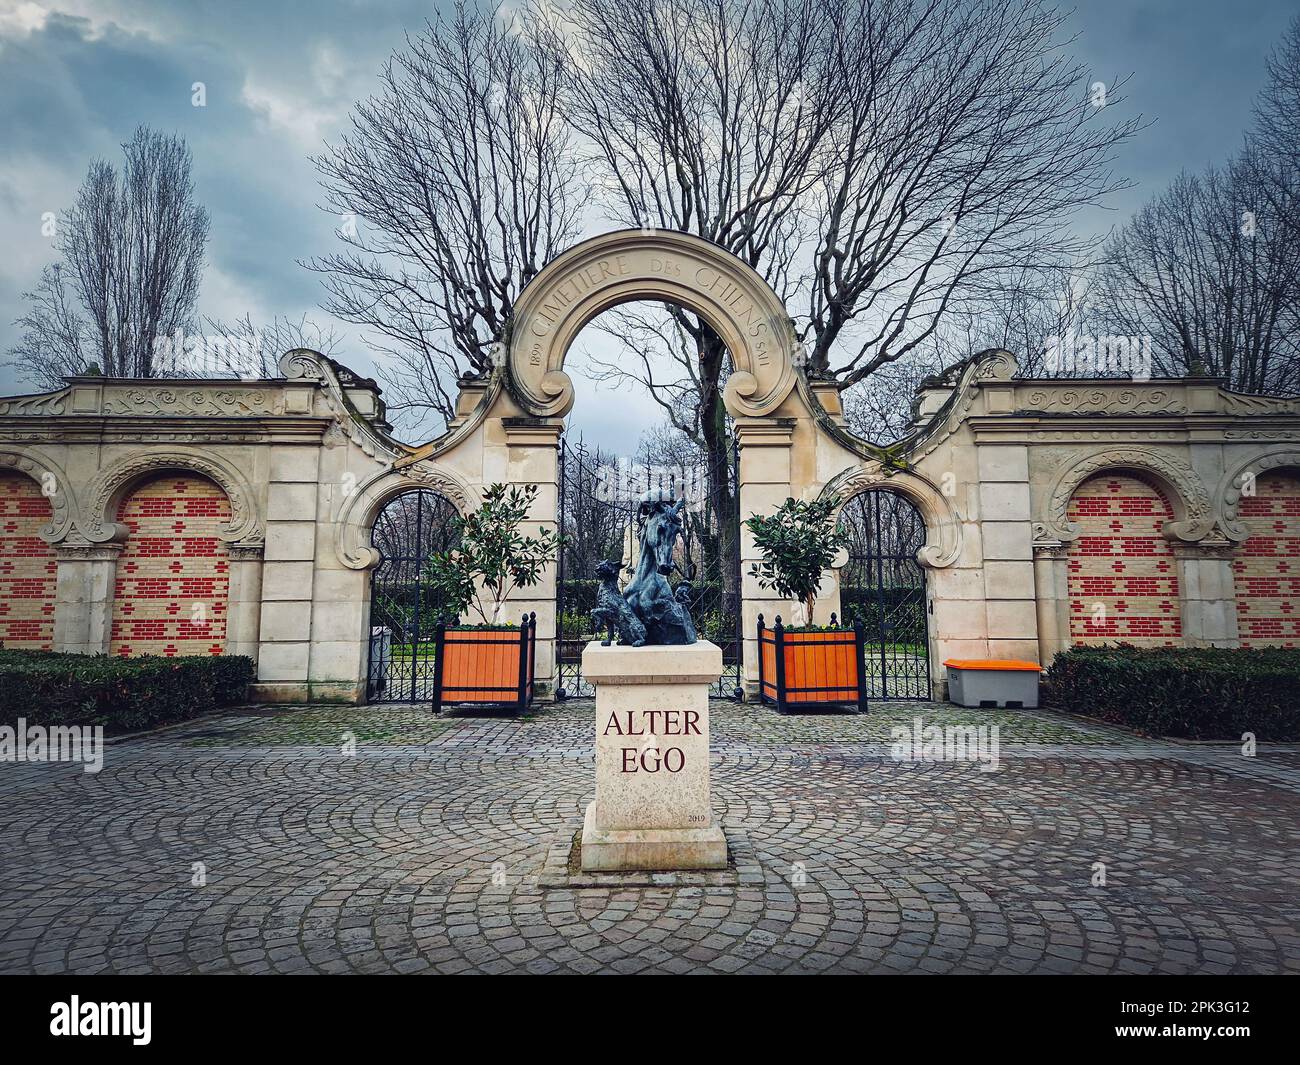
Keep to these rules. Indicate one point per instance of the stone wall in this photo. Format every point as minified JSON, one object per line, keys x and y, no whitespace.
{"x":1010,"y":475}
{"x":1019,"y":484}
{"x":132,"y":510}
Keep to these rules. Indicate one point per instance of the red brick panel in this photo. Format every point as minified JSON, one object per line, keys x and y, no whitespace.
{"x":173,"y":576}
{"x":28,"y":568}
{"x":1266,"y":569}
{"x":1121,"y":562}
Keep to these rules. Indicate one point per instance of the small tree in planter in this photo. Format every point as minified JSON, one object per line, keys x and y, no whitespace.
{"x":798,"y":544}
{"x":494,"y":558}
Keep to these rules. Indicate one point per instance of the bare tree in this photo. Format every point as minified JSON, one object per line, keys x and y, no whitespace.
{"x":967,"y":139}
{"x":879,"y":161}
{"x":708,"y":117}
{"x":130,"y":261}
{"x":454,"y":186}
{"x":1276,"y":135}
{"x":1212,"y":274}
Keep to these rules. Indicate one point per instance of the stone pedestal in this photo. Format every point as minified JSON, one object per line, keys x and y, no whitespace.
{"x":652,"y":759}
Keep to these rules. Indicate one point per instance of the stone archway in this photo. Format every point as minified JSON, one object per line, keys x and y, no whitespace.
{"x":657,"y":265}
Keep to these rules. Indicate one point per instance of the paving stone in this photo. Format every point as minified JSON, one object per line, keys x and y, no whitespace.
{"x":393,"y":860}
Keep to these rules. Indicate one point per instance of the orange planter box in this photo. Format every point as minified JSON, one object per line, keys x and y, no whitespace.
{"x":485,"y":666}
{"x":810,"y":668}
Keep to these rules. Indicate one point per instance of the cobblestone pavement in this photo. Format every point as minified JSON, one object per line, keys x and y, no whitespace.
{"x":423,"y":851}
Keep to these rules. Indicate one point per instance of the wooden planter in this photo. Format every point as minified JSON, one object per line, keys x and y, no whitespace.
{"x":485,"y":667}
{"x":807,"y":669}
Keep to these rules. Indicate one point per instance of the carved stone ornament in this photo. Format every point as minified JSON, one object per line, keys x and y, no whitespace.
{"x":54,"y":485}
{"x":1191,"y":500}
{"x":1233,"y":483}
{"x":49,"y":404}
{"x":651,"y":265}
{"x":943,"y":527}
{"x":245,"y":520}
{"x":1105,"y":400}
{"x":193,"y":402}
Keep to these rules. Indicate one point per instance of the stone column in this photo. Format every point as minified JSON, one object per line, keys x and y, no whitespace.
{"x":244,"y":602}
{"x":83,"y":612}
{"x":1052,"y":592}
{"x":765,"y":472}
{"x":288,"y":572}
{"x":1207,"y":594}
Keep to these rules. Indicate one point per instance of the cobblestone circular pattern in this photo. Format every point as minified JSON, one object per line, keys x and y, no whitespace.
{"x":258,"y":846}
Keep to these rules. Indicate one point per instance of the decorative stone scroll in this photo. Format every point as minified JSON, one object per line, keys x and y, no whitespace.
{"x":1189,"y":497}
{"x":246,"y":522}
{"x":1231,"y":488}
{"x":942,"y":522}
{"x":54,"y":485}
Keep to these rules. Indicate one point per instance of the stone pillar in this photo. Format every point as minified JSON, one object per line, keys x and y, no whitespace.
{"x":532,"y":457}
{"x":244,"y":603}
{"x":83,"y":611}
{"x":1004,"y":511}
{"x":765,"y":473}
{"x":1208,"y":596}
{"x":288,"y":572}
{"x":340,"y":609}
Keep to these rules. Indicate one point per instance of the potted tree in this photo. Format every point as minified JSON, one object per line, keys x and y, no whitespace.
{"x":804,"y":664}
{"x":485,"y":660}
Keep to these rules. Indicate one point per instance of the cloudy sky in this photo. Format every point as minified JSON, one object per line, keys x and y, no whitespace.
{"x":77,"y":77}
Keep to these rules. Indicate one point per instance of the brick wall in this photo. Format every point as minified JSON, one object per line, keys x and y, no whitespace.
{"x":1266,"y":569}
{"x":28,"y":568}
{"x":173,"y":576}
{"x":1121,"y":561}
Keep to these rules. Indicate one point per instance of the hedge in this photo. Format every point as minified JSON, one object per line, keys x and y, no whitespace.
{"x":122,"y":694}
{"x":1211,"y":693}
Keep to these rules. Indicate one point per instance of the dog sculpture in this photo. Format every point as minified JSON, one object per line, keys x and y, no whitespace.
{"x":612,"y":613}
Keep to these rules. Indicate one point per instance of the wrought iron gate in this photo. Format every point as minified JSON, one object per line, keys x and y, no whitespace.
{"x":599,"y":494}
{"x":883,"y":586}
{"x":410,"y":528}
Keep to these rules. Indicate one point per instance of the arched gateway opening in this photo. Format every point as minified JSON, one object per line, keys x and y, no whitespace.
{"x":700,"y":278}
{"x":883,"y":586}
{"x":510,"y":426}
{"x":411,"y":527}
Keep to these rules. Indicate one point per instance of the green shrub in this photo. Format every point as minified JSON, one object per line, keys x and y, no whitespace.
{"x":122,"y":694}
{"x":1211,"y":693}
